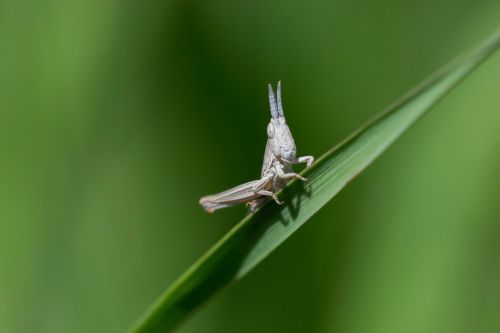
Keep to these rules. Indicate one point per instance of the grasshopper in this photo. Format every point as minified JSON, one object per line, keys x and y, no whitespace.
{"x":279,"y":157}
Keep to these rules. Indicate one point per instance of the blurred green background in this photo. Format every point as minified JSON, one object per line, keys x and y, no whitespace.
{"x":117,"y":116}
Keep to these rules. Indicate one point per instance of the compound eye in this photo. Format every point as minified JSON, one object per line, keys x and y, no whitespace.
{"x":270,"y":130}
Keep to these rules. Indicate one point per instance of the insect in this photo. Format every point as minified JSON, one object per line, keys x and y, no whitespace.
{"x":279,"y":157}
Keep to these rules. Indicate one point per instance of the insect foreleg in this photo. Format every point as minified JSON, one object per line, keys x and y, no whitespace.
{"x":308,"y":159}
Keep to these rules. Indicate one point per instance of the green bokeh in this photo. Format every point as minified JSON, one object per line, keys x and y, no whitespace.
{"x":116,"y":116}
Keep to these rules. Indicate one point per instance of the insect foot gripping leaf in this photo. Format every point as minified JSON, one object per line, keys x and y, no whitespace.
{"x":277,"y":168}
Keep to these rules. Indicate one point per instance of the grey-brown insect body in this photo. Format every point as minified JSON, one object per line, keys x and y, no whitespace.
{"x":279,"y":157}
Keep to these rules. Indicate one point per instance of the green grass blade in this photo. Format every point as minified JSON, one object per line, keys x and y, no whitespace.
{"x":257,"y":235}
